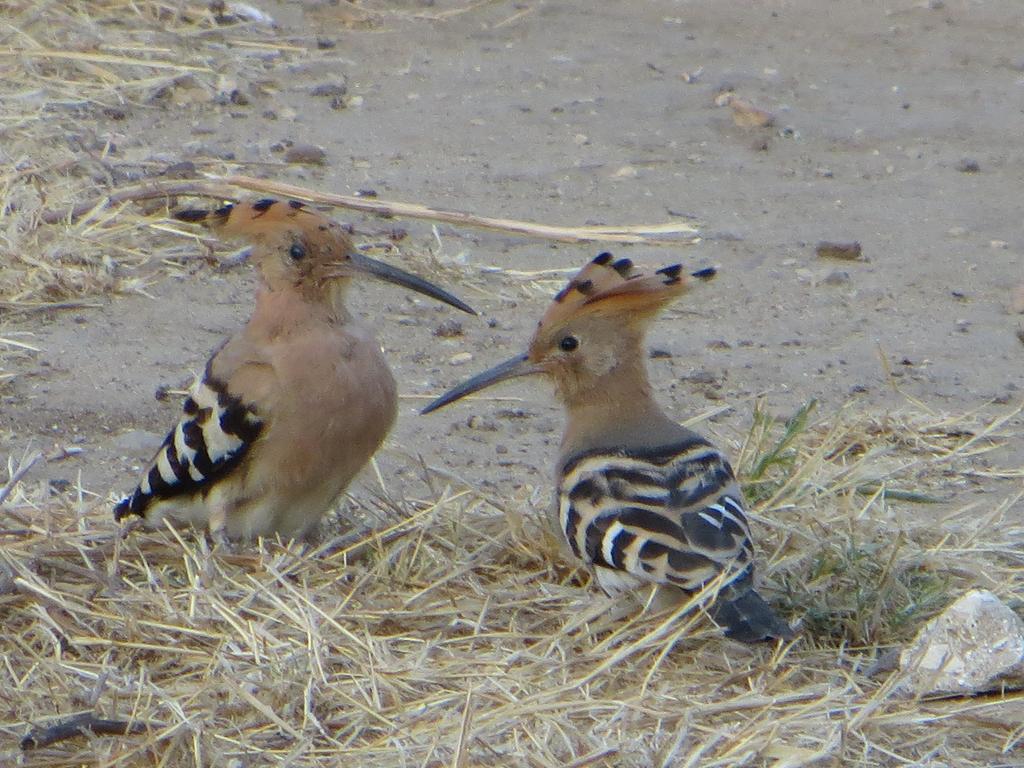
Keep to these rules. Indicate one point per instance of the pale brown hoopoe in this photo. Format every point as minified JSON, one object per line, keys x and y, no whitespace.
{"x":640,"y":498}
{"x":293,"y":405}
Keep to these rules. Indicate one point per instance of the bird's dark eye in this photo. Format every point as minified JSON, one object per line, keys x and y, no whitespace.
{"x":297,"y":252}
{"x":568,"y":343}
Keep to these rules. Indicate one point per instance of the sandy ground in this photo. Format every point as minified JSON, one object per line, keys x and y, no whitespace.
{"x":896,"y":125}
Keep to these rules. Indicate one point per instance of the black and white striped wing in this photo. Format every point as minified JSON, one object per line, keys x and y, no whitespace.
{"x":214,"y":434}
{"x":670,"y":515}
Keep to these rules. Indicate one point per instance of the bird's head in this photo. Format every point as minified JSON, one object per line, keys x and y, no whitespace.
{"x":296,"y":247}
{"x":591,"y":337}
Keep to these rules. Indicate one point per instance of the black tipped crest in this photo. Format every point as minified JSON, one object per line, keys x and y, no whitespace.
{"x":194,"y":215}
{"x":623,"y":267}
{"x":191,"y":215}
{"x":296,"y":204}
{"x":705,"y":274}
{"x":671,"y":273}
{"x":602,"y":258}
{"x":264,"y":204}
{"x":586,"y":287}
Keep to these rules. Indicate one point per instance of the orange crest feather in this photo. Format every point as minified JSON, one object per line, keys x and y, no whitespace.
{"x":609,"y":286}
{"x":256,"y":218}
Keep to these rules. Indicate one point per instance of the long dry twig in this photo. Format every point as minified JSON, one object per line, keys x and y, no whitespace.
{"x":226,"y":188}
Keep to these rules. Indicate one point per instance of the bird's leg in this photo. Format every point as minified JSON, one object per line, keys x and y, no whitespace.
{"x":218,"y":526}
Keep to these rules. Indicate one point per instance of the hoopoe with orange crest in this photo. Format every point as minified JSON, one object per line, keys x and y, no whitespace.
{"x":641,"y":499}
{"x":293,"y":405}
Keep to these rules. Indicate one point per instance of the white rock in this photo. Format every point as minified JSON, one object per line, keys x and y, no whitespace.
{"x":976,"y":644}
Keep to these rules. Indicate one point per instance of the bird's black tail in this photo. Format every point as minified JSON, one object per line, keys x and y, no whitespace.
{"x":748,"y":618}
{"x":130,"y":505}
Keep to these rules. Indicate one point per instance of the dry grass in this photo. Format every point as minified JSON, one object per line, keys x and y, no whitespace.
{"x":69,"y":74}
{"x":457,"y":635}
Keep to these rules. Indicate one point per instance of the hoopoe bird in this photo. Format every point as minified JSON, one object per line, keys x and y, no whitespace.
{"x":640,"y":498}
{"x":293,"y":405}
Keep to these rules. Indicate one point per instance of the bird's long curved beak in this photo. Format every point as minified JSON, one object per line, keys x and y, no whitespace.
{"x":381,"y":270}
{"x":510,"y":369}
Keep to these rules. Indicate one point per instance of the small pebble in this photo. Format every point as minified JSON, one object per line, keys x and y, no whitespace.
{"x":998,"y":244}
{"x":701,"y":377}
{"x":659,"y":354}
{"x":746,"y":115}
{"x":968,"y":165}
{"x":305,"y":153}
{"x":183,"y":170}
{"x":512,"y":413}
{"x":692,"y":77}
{"x":844,"y":251}
{"x":837,"y":277}
{"x":328,"y":90}
{"x":460,"y":358}
{"x":449,"y":329}
{"x":485,"y":425}
{"x":956,"y":231}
